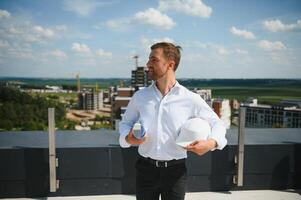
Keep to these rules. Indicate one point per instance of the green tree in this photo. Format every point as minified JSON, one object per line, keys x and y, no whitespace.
{"x":29,"y":126}
{"x":21,"y":111}
{"x":6,"y":125}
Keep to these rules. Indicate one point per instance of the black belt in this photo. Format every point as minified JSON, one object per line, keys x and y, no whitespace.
{"x":164,"y":164}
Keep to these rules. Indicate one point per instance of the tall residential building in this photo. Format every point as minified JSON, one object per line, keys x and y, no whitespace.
{"x":119,"y":103}
{"x":272,"y":116}
{"x":90,"y":100}
{"x":222,"y":108}
{"x":140,"y":78}
{"x":205,"y":94}
{"x":125,"y":91}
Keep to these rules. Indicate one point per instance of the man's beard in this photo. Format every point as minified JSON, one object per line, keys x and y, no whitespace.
{"x":152,"y":75}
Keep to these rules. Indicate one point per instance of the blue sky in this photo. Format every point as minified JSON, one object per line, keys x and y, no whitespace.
{"x":220,"y":38}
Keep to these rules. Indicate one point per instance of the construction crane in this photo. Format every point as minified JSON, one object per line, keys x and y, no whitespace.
{"x":78,"y":82}
{"x":121,"y":83}
{"x":96,"y":87}
{"x":136,"y":60}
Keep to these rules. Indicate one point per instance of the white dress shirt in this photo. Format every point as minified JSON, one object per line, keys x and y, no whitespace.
{"x":162,"y":118}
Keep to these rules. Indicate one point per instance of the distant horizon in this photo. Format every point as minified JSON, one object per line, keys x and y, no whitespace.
{"x":16,"y":77}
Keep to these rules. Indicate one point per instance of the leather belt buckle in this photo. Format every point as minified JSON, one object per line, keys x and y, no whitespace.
{"x":161,"y":163}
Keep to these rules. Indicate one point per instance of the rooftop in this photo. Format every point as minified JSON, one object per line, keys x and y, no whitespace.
{"x":109,"y":138}
{"x":92,"y":163}
{"x":230,"y":195}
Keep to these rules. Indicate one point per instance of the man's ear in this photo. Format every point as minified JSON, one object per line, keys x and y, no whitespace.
{"x":172,"y":65}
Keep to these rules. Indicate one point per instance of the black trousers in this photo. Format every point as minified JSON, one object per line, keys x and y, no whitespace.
{"x":152,"y":181}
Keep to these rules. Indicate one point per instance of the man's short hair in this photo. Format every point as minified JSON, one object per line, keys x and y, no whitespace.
{"x":170,"y":51}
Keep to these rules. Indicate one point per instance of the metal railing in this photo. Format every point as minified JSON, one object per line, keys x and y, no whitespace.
{"x":53,"y":161}
{"x":239,"y":158}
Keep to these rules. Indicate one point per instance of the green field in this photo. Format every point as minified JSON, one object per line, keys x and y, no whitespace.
{"x":267,"y":95}
{"x":267,"y":91}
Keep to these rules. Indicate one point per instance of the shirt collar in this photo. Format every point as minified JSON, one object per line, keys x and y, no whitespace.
{"x":176,"y":86}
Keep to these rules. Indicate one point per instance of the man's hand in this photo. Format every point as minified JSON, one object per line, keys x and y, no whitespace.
{"x":131,"y":139}
{"x":201,"y":147}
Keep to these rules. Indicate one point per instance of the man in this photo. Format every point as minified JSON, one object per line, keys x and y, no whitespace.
{"x":162,"y":109}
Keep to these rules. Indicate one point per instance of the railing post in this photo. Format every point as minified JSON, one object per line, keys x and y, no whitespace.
{"x":239,"y":158}
{"x":53,"y":162}
{"x":241,"y":145}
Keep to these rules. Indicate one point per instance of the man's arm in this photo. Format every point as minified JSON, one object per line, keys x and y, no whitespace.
{"x":216,"y":139}
{"x":201,"y":147}
{"x":130,"y":117}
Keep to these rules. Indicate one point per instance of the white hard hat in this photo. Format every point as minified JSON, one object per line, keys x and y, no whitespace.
{"x":193,"y":129}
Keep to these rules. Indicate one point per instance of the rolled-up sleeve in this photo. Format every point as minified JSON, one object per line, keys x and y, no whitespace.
{"x":129,"y":118}
{"x":218,"y":128}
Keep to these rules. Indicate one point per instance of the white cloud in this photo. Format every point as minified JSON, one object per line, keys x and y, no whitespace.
{"x":277,"y":25}
{"x":214,"y":55}
{"x":271,"y":46}
{"x":25,"y":33}
{"x":222,"y":51}
{"x":146,"y":43}
{"x":241,"y":52}
{"x":216,"y":50}
{"x":43,"y":32}
{"x":150,"y":17}
{"x":4,"y":44}
{"x":31,"y":38}
{"x":97,"y":27}
{"x":4,"y":14}
{"x":155,"y":18}
{"x":14,"y":30}
{"x":60,"y":28}
{"x":59,"y":54}
{"x":80,"y":48}
{"x":103,"y":53}
{"x":84,"y":7}
{"x":32,"y":33}
{"x":118,"y":24}
{"x":242,"y":33}
{"x":16,"y":50}
{"x":113,"y":24}
{"x":189,"y":7}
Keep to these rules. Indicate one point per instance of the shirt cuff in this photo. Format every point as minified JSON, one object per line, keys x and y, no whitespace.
{"x":221,"y":142}
{"x":123,"y":143}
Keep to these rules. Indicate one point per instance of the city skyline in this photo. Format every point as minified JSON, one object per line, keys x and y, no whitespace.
{"x":98,"y":39}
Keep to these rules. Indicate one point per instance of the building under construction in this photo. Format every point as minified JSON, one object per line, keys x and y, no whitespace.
{"x":89,"y":100}
{"x":139,"y":76}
